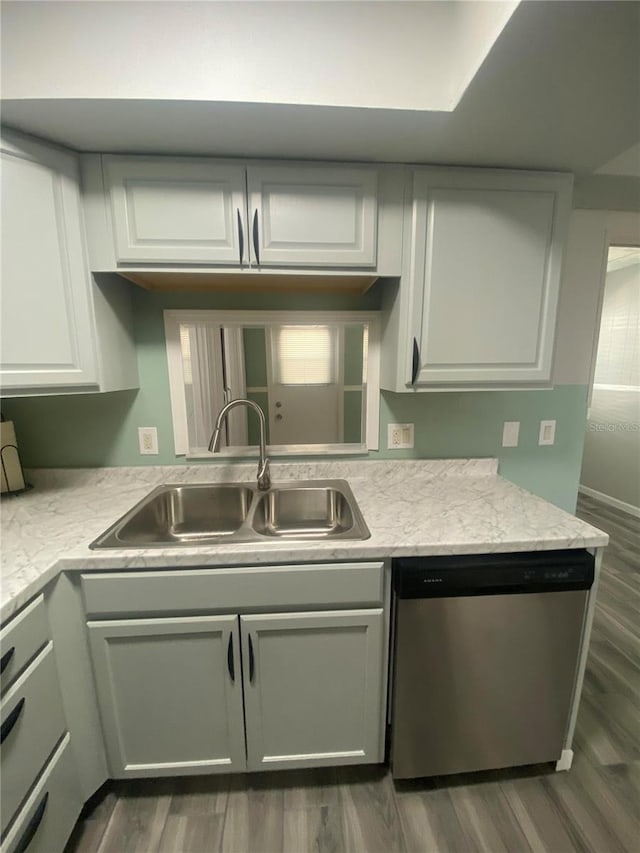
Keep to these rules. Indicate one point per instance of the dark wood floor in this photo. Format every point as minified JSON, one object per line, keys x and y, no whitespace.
{"x":594,"y":807}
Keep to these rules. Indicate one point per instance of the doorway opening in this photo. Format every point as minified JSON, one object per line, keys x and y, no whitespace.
{"x":611,"y":458}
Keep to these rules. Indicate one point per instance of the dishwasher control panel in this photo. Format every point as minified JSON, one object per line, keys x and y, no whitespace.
{"x":491,"y":574}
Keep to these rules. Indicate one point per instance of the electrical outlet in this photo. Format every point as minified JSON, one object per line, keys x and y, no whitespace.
{"x":547,"y":433}
{"x":510,"y":433}
{"x":148,"y":440}
{"x":400,"y":436}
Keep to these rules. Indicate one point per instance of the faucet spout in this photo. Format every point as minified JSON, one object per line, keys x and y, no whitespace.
{"x":264,"y":476}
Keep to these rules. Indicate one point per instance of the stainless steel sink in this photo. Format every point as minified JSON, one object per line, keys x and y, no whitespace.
{"x":232,"y":512}
{"x":304,"y":511}
{"x":180,"y":515}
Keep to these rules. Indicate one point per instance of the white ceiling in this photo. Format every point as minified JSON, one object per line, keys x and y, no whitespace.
{"x":560,"y":89}
{"x":380,"y":55}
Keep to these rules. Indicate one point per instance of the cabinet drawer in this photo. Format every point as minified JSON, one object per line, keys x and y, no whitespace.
{"x":21,"y":639}
{"x":48,"y":816}
{"x":240,"y":589}
{"x":32,"y":723}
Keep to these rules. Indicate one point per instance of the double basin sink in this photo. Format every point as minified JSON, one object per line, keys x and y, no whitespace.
{"x":238,"y":512}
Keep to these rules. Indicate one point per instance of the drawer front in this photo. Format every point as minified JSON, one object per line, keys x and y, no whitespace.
{"x":239,"y":589}
{"x":49,"y":815}
{"x":32,"y":723}
{"x":21,"y":639}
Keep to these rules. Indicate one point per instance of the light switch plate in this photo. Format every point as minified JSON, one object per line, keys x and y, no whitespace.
{"x":510,"y":433}
{"x":399,"y":436}
{"x":547,"y":432}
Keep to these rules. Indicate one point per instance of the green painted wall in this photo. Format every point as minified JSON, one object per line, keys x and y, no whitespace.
{"x":469,"y":423}
{"x":255,"y":357}
{"x":101,"y":429}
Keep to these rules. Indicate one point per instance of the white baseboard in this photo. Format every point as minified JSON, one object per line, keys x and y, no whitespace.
{"x":607,"y":499}
{"x":565,"y":761}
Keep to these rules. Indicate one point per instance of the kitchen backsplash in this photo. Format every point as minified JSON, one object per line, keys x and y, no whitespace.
{"x":93,"y":430}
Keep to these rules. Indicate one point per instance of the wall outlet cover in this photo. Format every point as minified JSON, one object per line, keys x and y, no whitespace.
{"x":510,"y":433}
{"x":399,"y":436}
{"x":148,"y":441}
{"x":547,"y":433}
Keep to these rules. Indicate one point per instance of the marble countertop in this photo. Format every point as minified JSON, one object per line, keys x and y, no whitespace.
{"x":412,"y":507}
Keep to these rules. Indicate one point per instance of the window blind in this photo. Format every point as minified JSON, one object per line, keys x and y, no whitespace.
{"x":305,"y":355}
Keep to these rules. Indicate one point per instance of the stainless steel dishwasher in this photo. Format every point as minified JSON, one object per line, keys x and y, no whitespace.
{"x":485,"y":658}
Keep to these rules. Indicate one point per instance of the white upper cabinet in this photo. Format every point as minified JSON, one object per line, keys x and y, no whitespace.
{"x":176,"y":210}
{"x":242,"y":217}
{"x":482,"y":277}
{"x":62,"y":330}
{"x":46,"y":338}
{"x":312,"y":216}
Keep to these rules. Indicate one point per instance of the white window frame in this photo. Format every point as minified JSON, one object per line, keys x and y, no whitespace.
{"x":173,"y":318}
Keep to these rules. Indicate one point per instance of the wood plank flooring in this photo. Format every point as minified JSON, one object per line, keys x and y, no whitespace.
{"x":595,"y":808}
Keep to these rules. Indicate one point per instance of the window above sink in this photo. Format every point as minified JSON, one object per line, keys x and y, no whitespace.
{"x":314,"y":374}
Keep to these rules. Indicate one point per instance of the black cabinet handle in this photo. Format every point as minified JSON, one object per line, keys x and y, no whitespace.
{"x":416,"y":362}
{"x":230,"y":664}
{"x":252,"y":663}
{"x":12,"y":719}
{"x":256,"y":236}
{"x":240,"y":236}
{"x":32,"y":826}
{"x":5,"y":660}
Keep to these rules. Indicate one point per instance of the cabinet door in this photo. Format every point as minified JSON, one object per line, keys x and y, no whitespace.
{"x":485,"y":273}
{"x":313,"y":685}
{"x":313,"y":216}
{"x":170,"y":695}
{"x":47,"y":334}
{"x":173,"y":210}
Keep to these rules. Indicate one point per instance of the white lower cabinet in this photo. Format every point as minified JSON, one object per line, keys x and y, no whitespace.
{"x":50,"y":812}
{"x":41,"y":793}
{"x":208,"y":694}
{"x":170,"y":694}
{"x":29,"y":735}
{"x":313,"y":688}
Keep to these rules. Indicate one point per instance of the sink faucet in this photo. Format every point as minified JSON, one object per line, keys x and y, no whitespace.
{"x":264,"y":478}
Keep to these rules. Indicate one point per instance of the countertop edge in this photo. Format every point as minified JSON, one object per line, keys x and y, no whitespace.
{"x":128,"y":561}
